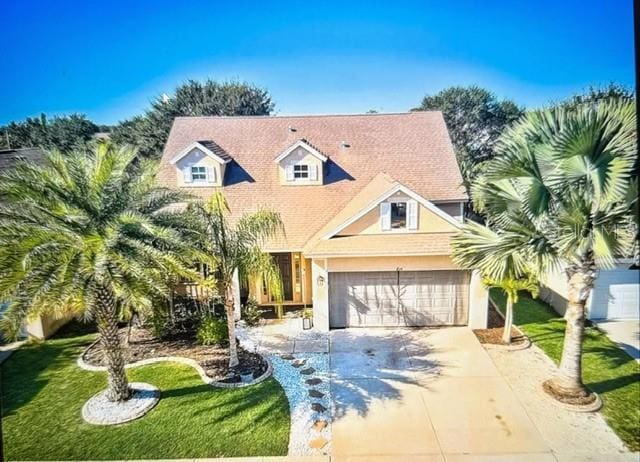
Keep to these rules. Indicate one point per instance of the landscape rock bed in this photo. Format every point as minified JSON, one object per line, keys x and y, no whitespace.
{"x":98,"y":410}
{"x":214,"y":359}
{"x":309,"y":400}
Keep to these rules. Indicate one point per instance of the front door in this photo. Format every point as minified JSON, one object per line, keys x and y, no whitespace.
{"x":283,"y":260}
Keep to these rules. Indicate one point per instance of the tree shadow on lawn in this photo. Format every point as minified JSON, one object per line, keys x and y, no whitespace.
{"x":29,"y":369}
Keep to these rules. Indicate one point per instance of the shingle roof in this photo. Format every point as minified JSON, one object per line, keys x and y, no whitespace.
{"x":383,"y":245}
{"x":216,"y":149}
{"x":413,"y":147}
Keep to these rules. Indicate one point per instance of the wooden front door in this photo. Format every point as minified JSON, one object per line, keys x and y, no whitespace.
{"x":283,"y":260}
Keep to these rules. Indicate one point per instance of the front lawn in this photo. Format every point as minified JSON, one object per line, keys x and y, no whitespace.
{"x":607,"y":369}
{"x":43,"y":393}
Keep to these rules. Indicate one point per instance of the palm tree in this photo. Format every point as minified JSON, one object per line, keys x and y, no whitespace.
{"x":236,"y":250}
{"x":85,"y":232}
{"x":480,"y":247}
{"x":560,"y":192}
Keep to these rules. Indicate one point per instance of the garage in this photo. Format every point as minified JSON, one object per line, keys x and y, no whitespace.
{"x":398,"y":298}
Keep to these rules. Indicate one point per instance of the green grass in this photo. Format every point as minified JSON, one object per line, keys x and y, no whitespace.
{"x":43,"y":393}
{"x":607,"y":369}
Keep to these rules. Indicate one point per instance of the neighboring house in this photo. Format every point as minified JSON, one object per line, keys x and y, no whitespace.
{"x":369,"y":204}
{"x":43,"y":326}
{"x":615,"y":296}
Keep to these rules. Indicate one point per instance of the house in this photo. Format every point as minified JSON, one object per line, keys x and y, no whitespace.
{"x":39,"y":327}
{"x":369,"y":204}
{"x":615,"y":295}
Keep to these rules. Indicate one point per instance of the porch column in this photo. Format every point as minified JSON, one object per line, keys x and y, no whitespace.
{"x":320,"y":294}
{"x":235,"y":285}
{"x":478,"y":302}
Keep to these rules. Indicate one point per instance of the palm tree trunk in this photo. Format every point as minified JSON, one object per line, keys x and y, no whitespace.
{"x":568,"y":382}
{"x":231,"y":326}
{"x":105,"y":314}
{"x":508,"y":321}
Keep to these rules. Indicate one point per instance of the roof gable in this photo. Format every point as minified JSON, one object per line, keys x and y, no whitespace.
{"x":210,"y":148}
{"x":302,"y":143}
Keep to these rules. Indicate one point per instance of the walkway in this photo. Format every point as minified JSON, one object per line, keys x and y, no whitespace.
{"x":625,"y":333}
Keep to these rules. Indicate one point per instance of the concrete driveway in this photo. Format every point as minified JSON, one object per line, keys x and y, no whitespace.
{"x":425,"y":395}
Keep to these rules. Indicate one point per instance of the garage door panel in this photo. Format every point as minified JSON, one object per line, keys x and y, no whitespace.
{"x":412,"y":298}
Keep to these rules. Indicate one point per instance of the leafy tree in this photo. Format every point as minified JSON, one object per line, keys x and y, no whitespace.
{"x":236,"y":250}
{"x":561,"y":191}
{"x":150,"y":131}
{"x":86,"y":232}
{"x":63,"y":133}
{"x":596,"y":95}
{"x":475,"y":119}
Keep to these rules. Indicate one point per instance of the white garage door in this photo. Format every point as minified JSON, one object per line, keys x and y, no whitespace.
{"x":404,"y":298}
{"x":616,"y":295}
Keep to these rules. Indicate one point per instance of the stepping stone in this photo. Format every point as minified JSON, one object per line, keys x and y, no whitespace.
{"x":313,"y":381}
{"x":318,"y":443}
{"x":318,"y":407}
{"x":308,"y":371}
{"x":319,"y":425}
{"x":287,"y":357}
{"x":299,"y":362}
{"x":316,"y":394}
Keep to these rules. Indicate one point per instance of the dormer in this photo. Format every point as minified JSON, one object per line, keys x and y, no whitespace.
{"x":301,"y":164}
{"x":201,"y":164}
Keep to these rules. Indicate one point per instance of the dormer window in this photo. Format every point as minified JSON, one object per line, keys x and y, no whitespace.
{"x":300,"y":172}
{"x":198,"y":174}
{"x":201,"y":164}
{"x":301,"y":164}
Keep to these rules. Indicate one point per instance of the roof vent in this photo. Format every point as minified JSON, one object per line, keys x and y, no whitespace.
{"x":344,"y":144}
{"x":292,"y":129}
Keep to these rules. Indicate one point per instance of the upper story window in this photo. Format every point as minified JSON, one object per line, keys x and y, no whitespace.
{"x":301,"y":171}
{"x":398,"y":215}
{"x":198,"y":173}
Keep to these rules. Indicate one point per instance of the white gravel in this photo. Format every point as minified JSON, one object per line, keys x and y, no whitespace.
{"x":297,"y":391}
{"x":98,"y":410}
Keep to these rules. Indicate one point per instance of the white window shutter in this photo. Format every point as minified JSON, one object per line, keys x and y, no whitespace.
{"x":289,"y":172}
{"x":412,"y":214}
{"x":385,"y":216}
{"x":313,"y":172}
{"x":186,"y":174}
{"x":211,"y":175}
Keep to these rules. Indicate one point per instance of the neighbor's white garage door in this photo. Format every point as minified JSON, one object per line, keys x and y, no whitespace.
{"x":392,"y":298}
{"x":616,"y":295}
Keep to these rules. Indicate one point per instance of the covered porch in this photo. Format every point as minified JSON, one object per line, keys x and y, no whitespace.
{"x":295,"y":271}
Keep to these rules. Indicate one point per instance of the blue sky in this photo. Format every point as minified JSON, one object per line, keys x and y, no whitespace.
{"x":109,"y":59}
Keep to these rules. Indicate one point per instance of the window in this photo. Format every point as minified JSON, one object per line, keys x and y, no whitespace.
{"x":398,"y":215}
{"x":199,"y":173}
{"x":300,"y":171}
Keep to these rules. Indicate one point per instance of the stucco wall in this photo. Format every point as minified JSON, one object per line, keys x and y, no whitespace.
{"x":428,"y":222}
{"x":300,"y":156}
{"x":43,"y":327}
{"x":197,"y":158}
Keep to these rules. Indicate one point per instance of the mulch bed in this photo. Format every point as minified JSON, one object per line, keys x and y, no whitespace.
{"x":576,"y":400}
{"x":495,"y":327}
{"x":214,"y":359}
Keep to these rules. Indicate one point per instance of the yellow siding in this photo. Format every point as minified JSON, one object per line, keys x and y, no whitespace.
{"x":428,"y":222}
{"x":390,"y":263}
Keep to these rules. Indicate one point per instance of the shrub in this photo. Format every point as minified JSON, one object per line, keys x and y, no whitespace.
{"x":212,"y":331}
{"x":251,"y":312}
{"x":183,"y":318}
